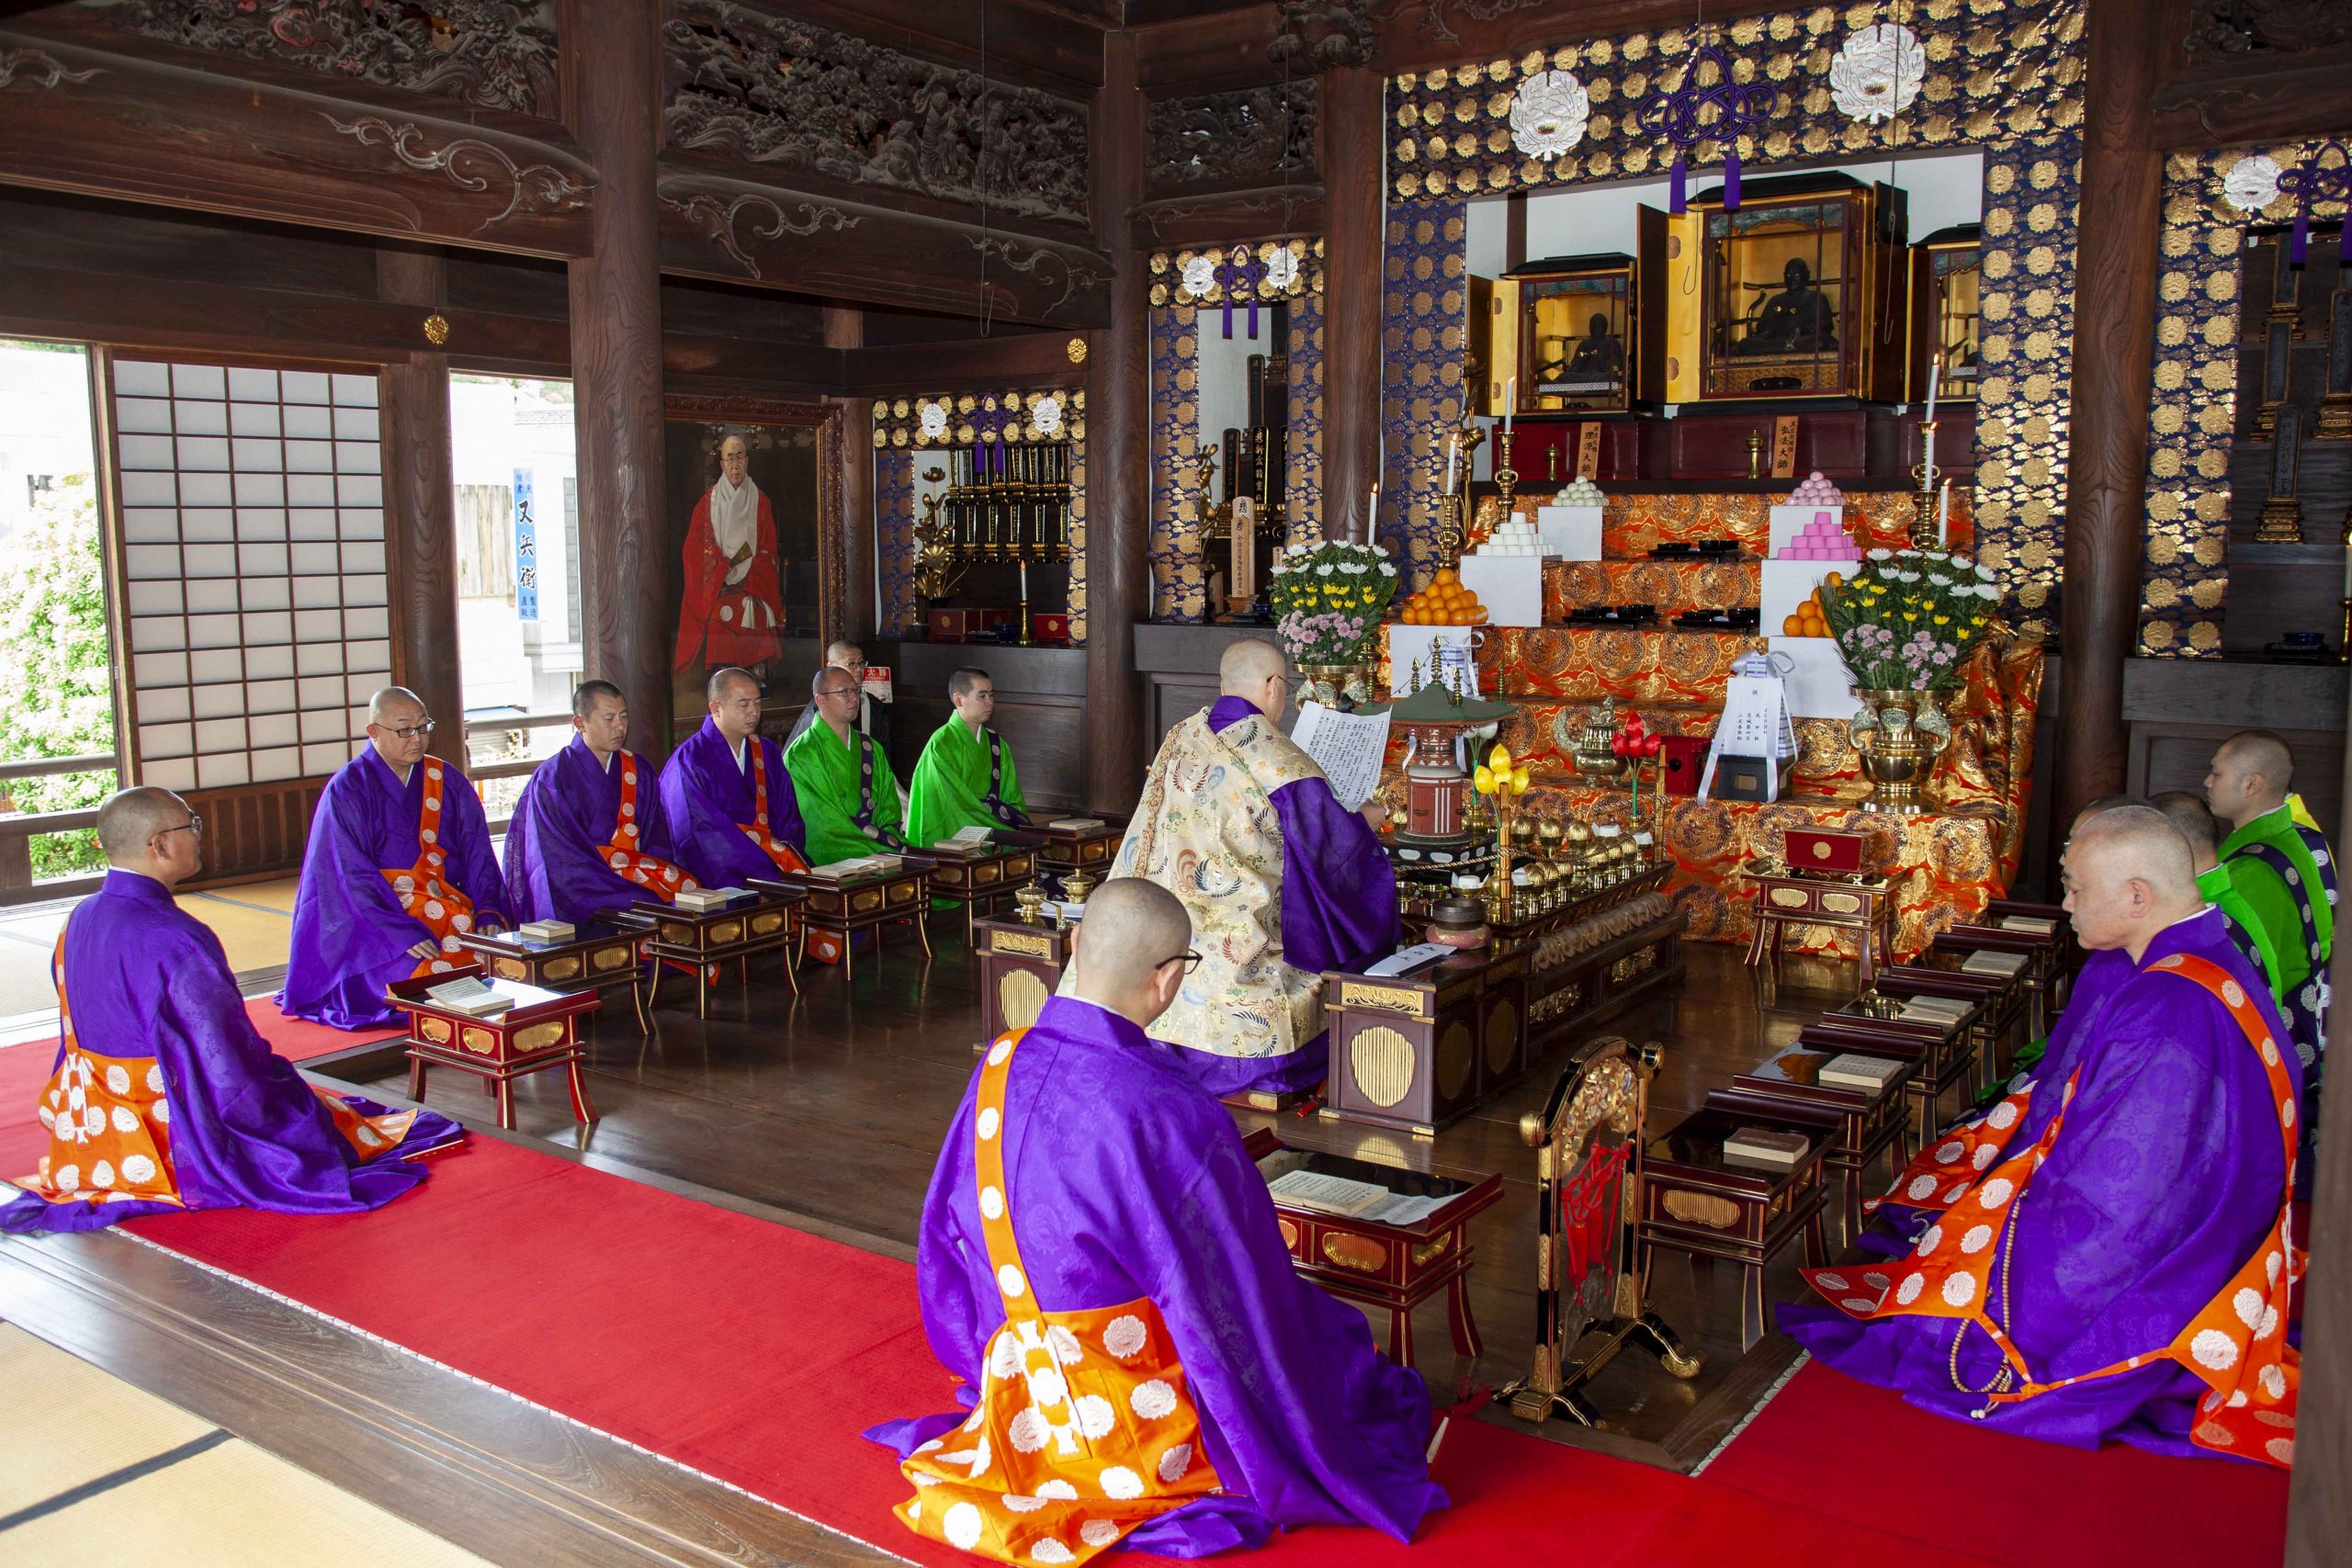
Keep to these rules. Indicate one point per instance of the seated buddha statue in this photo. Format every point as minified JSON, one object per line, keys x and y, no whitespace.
{"x":1601,"y":352}
{"x":1800,"y":319}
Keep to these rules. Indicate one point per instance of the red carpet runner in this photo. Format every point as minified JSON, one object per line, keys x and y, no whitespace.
{"x":756,"y":1353}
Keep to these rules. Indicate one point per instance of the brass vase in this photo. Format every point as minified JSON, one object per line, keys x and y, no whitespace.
{"x":1329,"y":683}
{"x":1899,"y":734}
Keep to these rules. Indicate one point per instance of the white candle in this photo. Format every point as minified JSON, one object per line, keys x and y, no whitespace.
{"x":1452,"y":459}
{"x":1943,"y":510}
{"x":1024,"y":583}
{"x":1372,"y":516}
{"x":1510,"y":403}
{"x":1935,"y":375}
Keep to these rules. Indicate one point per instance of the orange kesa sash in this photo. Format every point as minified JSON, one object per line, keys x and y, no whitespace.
{"x":1084,"y":1429}
{"x":421,"y":890}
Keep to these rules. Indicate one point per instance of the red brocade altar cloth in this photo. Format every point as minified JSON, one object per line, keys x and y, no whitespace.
{"x":1945,"y":865}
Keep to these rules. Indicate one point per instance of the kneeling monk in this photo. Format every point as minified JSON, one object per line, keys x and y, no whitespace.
{"x":1100,"y":1265}
{"x":1280,"y":880}
{"x":2108,"y":1252}
{"x":164,"y":1096}
{"x":589,"y":833}
{"x":732,"y":809}
{"x":398,"y":866}
{"x":965,"y":777}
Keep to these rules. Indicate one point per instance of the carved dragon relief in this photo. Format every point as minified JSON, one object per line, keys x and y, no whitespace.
{"x":779,"y":91}
{"x":472,"y":164}
{"x":2243,"y":27}
{"x":1318,"y":34}
{"x":498,"y":54}
{"x":38,"y":70}
{"x":1433,"y":11}
{"x":1255,"y":136}
{"x":715,"y":216}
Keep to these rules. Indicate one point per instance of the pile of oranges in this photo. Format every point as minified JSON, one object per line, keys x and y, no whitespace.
{"x":1445,"y":602}
{"x":1808,"y":621}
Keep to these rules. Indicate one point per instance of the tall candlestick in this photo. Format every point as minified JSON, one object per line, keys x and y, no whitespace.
{"x":1935,"y":375}
{"x":1943,"y":510}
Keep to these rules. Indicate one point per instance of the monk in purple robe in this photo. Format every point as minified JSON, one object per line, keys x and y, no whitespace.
{"x":1282,"y":883}
{"x":2121,"y":1220}
{"x":164,"y":1096}
{"x":398,"y":868}
{"x":589,"y":834}
{"x":1129,"y":1193}
{"x":730,"y":805}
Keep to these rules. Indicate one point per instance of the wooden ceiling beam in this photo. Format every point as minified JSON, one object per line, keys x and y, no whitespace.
{"x":737,"y":232}
{"x":965,"y":364}
{"x":105,"y":124}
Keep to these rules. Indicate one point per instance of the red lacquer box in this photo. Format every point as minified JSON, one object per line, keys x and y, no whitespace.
{"x":1827,"y":850}
{"x":1680,"y":760}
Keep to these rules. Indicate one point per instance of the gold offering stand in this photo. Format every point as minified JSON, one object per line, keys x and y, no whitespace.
{"x":1452,"y":525}
{"x":1588,"y":1288}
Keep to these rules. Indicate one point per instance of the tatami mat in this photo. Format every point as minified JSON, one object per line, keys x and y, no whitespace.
{"x":64,"y":1422}
{"x":254,"y":923}
{"x":153,"y":1495}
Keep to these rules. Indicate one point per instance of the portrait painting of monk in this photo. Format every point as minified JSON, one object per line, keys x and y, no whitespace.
{"x":746,"y":496}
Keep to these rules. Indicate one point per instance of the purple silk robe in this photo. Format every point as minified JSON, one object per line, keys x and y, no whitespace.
{"x":2163,"y":1181}
{"x":351,"y":936}
{"x":1126,"y":1181}
{"x":568,"y":811}
{"x":145,"y":978}
{"x":1338,"y":911}
{"x":705,"y":792}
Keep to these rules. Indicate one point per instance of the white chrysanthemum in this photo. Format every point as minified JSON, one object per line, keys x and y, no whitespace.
{"x":1200,"y":276}
{"x":2252,"y":183}
{"x":1045,"y":413}
{"x":137,"y":1170}
{"x":1877,"y":73}
{"x":1065,"y":1345}
{"x":1977,"y":1240}
{"x":1028,"y":1432}
{"x":1096,"y":1416}
{"x":1009,"y":1280}
{"x":2004,"y":1114}
{"x":1058,"y":1490}
{"x":1960,"y":1288}
{"x":1051,"y":1551}
{"x":1102,"y":1532}
{"x":1946,"y":1155}
{"x":1175,"y":1462}
{"x":125,"y":1119}
{"x":1048,"y":1387}
{"x":1120,"y":1482}
{"x":1829,"y":1282}
{"x":1908,"y":1292}
{"x":1881,"y":554}
{"x":1021,"y":1503}
{"x":1997,"y":1192}
{"x":1922,"y":1185}
{"x":2215,"y":1350}
{"x":1548,"y":113}
{"x":963,"y":1526}
{"x":2273,"y":1381}
{"x":1124,"y":1337}
{"x":1282,"y":268}
{"x":1152,"y":1400}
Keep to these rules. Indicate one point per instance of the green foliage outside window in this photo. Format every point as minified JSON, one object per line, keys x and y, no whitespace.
{"x":56,"y":688}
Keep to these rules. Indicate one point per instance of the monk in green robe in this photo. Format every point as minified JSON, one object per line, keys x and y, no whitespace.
{"x":965,"y":777}
{"x":849,"y":800}
{"x":2188,"y":812}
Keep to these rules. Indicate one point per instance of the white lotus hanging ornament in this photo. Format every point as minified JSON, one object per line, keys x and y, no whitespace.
{"x":1200,"y":275}
{"x":1282,"y":269}
{"x":934,"y":417}
{"x":1878,"y":72}
{"x":2252,"y":183}
{"x":1045,"y":413}
{"x":1548,"y":113}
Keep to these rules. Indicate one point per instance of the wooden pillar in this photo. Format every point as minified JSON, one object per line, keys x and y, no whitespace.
{"x":1349,"y":134}
{"x":628,"y":570}
{"x":2319,"y":1502}
{"x":419,"y":503}
{"x":2115,"y":306}
{"x":846,"y":327}
{"x":1119,"y":466}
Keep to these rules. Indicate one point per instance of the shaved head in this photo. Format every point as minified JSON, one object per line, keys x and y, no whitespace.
{"x":2129,"y":876}
{"x":130,"y":817}
{"x":840,"y":652}
{"x":1133,"y":928}
{"x":1247,"y":665}
{"x":2251,"y":773}
{"x":721,"y":684}
{"x":2105,"y":802}
{"x":394,"y":706}
{"x":2188,"y":812}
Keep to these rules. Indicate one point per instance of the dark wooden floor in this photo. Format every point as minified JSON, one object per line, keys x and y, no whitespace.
{"x":831,"y":1107}
{"x":823,"y":1112}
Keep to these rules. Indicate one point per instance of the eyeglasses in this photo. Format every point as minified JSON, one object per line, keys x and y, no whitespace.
{"x":193,"y":825}
{"x":839,"y":692}
{"x":407,"y":732}
{"x":1189,"y":959}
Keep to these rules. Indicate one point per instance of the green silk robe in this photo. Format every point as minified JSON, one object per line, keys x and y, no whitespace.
{"x":838,"y":786}
{"x":949,"y":787}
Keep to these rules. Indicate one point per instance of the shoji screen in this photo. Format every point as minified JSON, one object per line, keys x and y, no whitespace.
{"x":253,"y":579}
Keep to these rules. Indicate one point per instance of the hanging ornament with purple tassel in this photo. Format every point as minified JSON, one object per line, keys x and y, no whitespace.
{"x":1240,"y":279}
{"x":2324,"y":175}
{"x":1681,"y":117}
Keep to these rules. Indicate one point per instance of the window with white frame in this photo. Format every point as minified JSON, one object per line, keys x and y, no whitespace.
{"x":253,"y":574}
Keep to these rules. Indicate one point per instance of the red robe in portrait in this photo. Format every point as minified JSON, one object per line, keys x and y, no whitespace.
{"x":721,"y":622}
